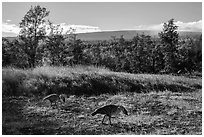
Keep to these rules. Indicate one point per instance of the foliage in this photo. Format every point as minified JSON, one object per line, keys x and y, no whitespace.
{"x":54,"y":48}
{"x":169,"y":39}
{"x":143,"y":54}
{"x":12,"y":54}
{"x":32,"y":31}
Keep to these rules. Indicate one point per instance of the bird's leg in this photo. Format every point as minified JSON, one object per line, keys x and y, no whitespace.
{"x":50,"y":104}
{"x":110,"y":120}
{"x":55,"y":103}
{"x":103,"y":119}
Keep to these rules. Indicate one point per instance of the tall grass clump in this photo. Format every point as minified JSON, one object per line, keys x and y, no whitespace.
{"x":89,"y":80}
{"x":12,"y":81}
{"x":68,"y":71}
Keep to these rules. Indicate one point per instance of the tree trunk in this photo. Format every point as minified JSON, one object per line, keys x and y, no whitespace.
{"x":32,"y":60}
{"x":153,"y":65}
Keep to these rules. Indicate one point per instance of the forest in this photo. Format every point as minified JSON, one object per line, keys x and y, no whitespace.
{"x":167,"y":53}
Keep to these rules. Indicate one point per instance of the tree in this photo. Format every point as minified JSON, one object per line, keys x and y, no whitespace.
{"x":5,"y":52}
{"x":12,"y":55}
{"x":32,"y":31}
{"x":169,"y":40}
{"x":77,"y":51}
{"x":55,"y":46}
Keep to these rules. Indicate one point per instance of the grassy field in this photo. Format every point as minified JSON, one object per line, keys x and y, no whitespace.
{"x":157,"y":104}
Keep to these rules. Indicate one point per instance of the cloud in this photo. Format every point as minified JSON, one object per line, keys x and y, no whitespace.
{"x":182,"y":26}
{"x":10,"y":28}
{"x":149,"y":27}
{"x":13,"y":30}
{"x":75,"y":28}
{"x":189,"y":26}
{"x":79,"y":28}
{"x":8,"y":20}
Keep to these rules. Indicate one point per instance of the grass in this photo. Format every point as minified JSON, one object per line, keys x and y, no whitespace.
{"x":149,"y":113}
{"x":89,"y":81}
{"x":157,"y":104}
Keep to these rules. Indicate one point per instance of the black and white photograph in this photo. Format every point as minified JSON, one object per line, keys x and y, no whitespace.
{"x":101,"y":68}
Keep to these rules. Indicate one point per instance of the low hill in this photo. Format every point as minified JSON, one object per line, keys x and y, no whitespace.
{"x":156,"y":104}
{"x":88,"y":80}
{"x":127,"y":34}
{"x":106,"y":35}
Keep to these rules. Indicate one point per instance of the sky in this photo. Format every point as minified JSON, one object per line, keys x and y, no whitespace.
{"x":107,"y":16}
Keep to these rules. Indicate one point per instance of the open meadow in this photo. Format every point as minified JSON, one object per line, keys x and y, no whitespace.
{"x":101,"y":68}
{"x":157,"y":104}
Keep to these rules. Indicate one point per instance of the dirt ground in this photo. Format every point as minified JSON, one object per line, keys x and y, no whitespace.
{"x":149,"y":113}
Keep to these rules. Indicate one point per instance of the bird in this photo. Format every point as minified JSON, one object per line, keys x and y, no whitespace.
{"x":54,"y":98}
{"x":63,"y":97}
{"x":110,"y":110}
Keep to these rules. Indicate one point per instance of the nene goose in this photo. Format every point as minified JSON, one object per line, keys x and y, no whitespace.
{"x":54,"y":98}
{"x":110,"y":110}
{"x":63,"y":97}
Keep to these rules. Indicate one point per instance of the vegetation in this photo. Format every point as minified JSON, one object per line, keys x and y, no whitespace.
{"x":93,"y":74}
{"x":167,"y":54}
{"x":32,"y":31}
{"x":83,"y":80}
{"x":157,"y":104}
{"x":169,"y":40}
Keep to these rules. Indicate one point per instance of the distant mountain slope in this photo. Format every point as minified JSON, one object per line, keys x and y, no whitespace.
{"x":106,"y":35}
{"x":127,"y":34}
{"x":10,"y":38}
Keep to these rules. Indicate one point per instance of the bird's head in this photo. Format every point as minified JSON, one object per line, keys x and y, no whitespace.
{"x":123,"y":110}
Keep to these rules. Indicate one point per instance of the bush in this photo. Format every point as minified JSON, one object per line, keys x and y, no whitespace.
{"x":12,"y":82}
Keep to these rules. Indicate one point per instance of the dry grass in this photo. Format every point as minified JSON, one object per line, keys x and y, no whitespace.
{"x":157,"y":104}
{"x":150,"y":113}
{"x":82,"y":80}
